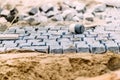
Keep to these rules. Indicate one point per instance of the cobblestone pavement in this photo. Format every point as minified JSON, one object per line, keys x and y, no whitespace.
{"x":58,"y":39}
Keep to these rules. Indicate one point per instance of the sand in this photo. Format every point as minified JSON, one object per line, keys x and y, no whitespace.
{"x":38,"y":66}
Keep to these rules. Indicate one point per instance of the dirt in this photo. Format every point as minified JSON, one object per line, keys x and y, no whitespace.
{"x":38,"y":66}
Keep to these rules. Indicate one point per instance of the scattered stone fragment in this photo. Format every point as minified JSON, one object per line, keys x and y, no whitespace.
{"x":89,"y":17}
{"x":33,"y":11}
{"x":100,"y":8}
{"x":76,"y":18}
{"x":11,"y":16}
{"x":58,"y":17}
{"x":4,"y":12}
{"x":46,"y":8}
{"x":80,"y":7}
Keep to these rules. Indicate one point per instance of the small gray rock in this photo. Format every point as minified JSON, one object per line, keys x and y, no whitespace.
{"x":100,"y":8}
{"x":46,"y":8}
{"x":89,"y":17}
{"x":58,"y":17}
{"x":33,"y":11}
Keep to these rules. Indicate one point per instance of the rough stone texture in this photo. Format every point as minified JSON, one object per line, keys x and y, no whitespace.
{"x":97,"y":48}
{"x":33,"y":11}
{"x":82,"y":47}
{"x":56,"y":49}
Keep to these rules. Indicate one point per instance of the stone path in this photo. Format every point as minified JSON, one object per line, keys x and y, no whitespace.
{"x":58,"y":39}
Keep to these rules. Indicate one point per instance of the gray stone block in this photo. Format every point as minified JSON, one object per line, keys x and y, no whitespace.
{"x":99,"y":8}
{"x":89,"y":16}
{"x":31,"y":31}
{"x":29,"y":37}
{"x":38,"y":44}
{"x":33,"y":41}
{"x":80,"y":42}
{"x":20,"y":31}
{"x":58,"y":17}
{"x":42,"y":37}
{"x":54,"y":37}
{"x":82,"y":47}
{"x":55,"y":28}
{"x":46,"y":8}
{"x":8,"y":41}
{"x":69,"y":13}
{"x":93,"y":42}
{"x":107,"y":42}
{"x":97,"y":48}
{"x":63,"y":40}
{"x":75,"y":39}
{"x":24,"y":45}
{"x":67,"y":36}
{"x":24,"y":34}
{"x":89,"y":39}
{"x":76,"y":18}
{"x":33,"y":11}
{"x":27,"y":48}
{"x":10,"y":45}
{"x":43,"y":49}
{"x":52,"y":32}
{"x":79,"y":36}
{"x":78,"y":6}
{"x":92,"y":35}
{"x":69,"y":17}
{"x":42,"y":31}
{"x":51,"y":14}
{"x":69,"y":48}
{"x":41,"y":18}
{"x":63,"y":32}
{"x":20,"y":41}
{"x":52,"y":43}
{"x":56,"y":49}
{"x":112,"y":47}
{"x":28,"y":28}
{"x":66,"y":43}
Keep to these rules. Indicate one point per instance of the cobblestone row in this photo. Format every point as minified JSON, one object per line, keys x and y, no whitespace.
{"x":58,"y":39}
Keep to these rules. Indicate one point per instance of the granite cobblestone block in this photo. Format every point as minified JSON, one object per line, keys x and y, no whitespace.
{"x":97,"y":48}
{"x":82,"y":47}
{"x":113,"y":47}
{"x":69,"y":48}
{"x":43,"y":49}
{"x":56,"y":49}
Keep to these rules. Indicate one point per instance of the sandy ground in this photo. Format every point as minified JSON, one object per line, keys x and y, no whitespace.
{"x":27,"y":65}
{"x":38,"y":66}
